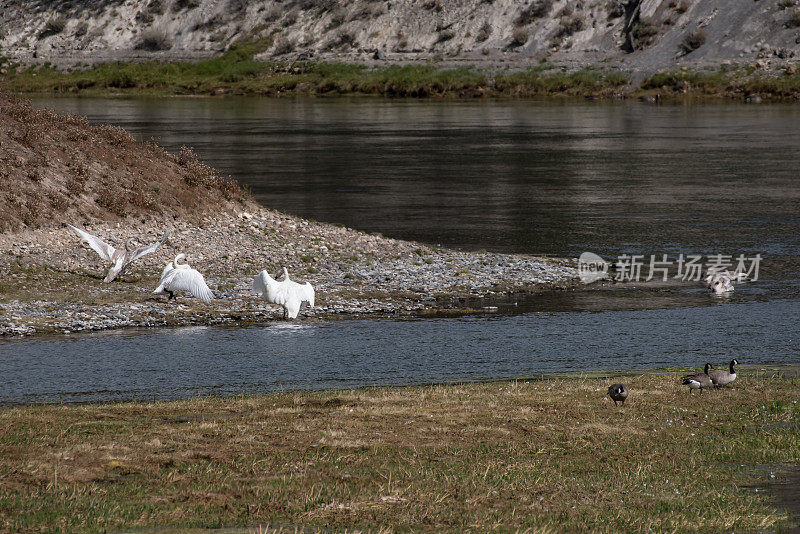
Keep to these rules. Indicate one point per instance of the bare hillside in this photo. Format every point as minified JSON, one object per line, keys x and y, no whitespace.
{"x":55,"y":168}
{"x":662,"y":33}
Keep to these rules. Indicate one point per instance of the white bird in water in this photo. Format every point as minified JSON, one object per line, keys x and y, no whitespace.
{"x":181,"y":277}
{"x":287,"y":293}
{"x":119,"y":259}
{"x":736,"y":276}
{"x":722,"y":282}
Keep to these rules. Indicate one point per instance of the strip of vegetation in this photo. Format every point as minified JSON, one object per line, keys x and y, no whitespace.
{"x":549,"y":455}
{"x":728,"y":82}
{"x":238,"y":73}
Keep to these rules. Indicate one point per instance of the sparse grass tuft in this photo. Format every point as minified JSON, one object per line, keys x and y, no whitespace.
{"x":615,"y":9}
{"x":445,"y":35}
{"x":179,"y":5}
{"x":519,"y":36}
{"x":645,"y":31}
{"x":484,"y":32}
{"x":538,"y":9}
{"x":81,"y":29}
{"x":154,"y":40}
{"x":282,"y":47}
{"x":693,"y":41}
{"x":53,"y":26}
{"x":794,"y":19}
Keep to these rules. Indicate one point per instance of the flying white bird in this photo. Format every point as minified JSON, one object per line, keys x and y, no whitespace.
{"x":286,"y":293}
{"x":119,"y":259}
{"x":181,"y":277}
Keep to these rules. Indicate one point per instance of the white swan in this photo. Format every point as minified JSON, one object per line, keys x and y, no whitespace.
{"x":286,"y":293}
{"x":119,"y":259}
{"x":177,"y":277}
{"x":732,"y":277}
{"x":719,"y":283}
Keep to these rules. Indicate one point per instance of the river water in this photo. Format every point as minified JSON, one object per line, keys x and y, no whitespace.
{"x":514,"y":176}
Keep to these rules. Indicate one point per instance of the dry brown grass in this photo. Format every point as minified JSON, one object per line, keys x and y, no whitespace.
{"x":91,"y":172}
{"x":542,"y":455}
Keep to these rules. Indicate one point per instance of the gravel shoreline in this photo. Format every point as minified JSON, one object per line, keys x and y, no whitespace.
{"x":52,"y":284}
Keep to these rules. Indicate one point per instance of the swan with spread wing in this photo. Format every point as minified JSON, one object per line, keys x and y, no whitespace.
{"x":181,"y":277}
{"x":118,"y":258}
{"x":286,"y":293}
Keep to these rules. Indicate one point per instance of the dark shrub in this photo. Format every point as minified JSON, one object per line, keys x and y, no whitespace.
{"x":645,"y":31}
{"x":284,"y":46}
{"x":794,"y":19}
{"x":519,"y":37}
{"x":54,"y":26}
{"x":537,"y":10}
{"x":154,"y":40}
{"x":484,"y":32}
{"x":693,"y":41}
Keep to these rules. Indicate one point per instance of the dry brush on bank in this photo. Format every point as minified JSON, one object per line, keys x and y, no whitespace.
{"x":56,"y":168}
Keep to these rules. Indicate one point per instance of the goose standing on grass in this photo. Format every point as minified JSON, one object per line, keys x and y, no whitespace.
{"x":287,"y":293}
{"x":721,"y":377}
{"x":698,"y":380}
{"x":181,"y":277}
{"x":119,"y":259}
{"x":618,"y":392}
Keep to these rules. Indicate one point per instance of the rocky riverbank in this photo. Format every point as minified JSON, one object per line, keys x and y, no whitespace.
{"x":51,"y":283}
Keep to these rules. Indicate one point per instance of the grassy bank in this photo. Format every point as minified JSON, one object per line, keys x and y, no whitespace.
{"x":237,"y":73}
{"x":727,"y":82}
{"x":545,"y":455}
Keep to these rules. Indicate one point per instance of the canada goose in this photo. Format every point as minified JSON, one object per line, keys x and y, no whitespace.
{"x":181,"y":277}
{"x":721,"y":377}
{"x":698,"y":380}
{"x":651,"y":99}
{"x":618,"y":392}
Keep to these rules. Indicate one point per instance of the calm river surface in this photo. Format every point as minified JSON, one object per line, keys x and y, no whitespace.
{"x":531,"y":177}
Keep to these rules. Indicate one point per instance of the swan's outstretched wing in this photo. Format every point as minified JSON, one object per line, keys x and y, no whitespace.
{"x":167,"y":269}
{"x":105,"y":250}
{"x":260,"y":283}
{"x":191,"y":281}
{"x":164,"y":277}
{"x":307,"y":293}
{"x":139,"y":252}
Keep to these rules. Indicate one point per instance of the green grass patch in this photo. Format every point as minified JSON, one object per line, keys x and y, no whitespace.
{"x":236,"y":72}
{"x":547,"y":455}
{"x":727,"y":82}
